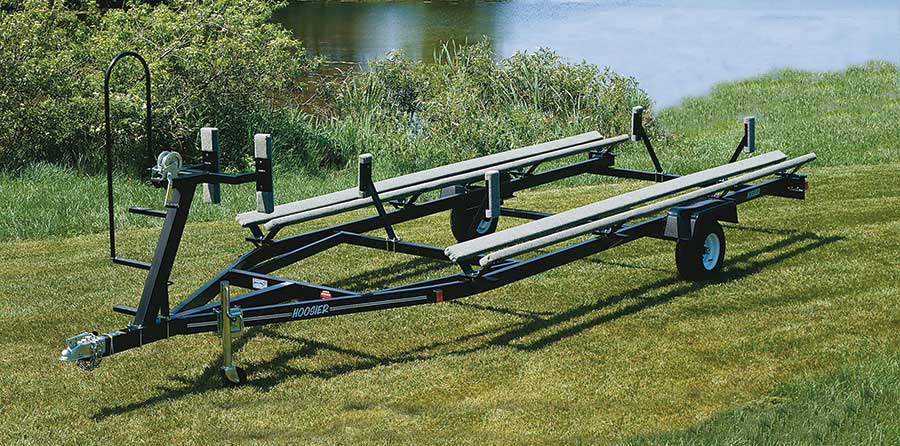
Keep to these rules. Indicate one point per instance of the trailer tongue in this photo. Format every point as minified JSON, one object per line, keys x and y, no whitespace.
{"x":684,"y":209}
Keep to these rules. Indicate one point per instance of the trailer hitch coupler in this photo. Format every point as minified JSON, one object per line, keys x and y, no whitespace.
{"x":85,"y":350}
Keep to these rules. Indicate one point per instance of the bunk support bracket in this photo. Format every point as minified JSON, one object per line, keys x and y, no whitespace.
{"x":639,"y":133}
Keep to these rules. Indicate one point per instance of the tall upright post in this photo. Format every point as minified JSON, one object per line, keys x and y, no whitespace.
{"x":364,"y":176}
{"x":637,"y":126}
{"x":155,"y":297}
{"x":265,"y":198}
{"x":225,"y":299}
{"x":209,"y":146}
{"x":750,"y":133}
{"x":492,"y":180}
{"x":748,"y":141}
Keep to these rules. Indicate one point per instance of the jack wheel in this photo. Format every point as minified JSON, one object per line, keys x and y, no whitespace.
{"x":241,"y":377}
{"x":701,"y":257}
{"x":468,"y":223}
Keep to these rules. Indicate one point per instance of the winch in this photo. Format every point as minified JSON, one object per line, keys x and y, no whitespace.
{"x":168,"y":164}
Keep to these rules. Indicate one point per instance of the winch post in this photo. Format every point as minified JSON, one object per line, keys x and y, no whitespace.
{"x":265,"y":199}
{"x":209,"y":145}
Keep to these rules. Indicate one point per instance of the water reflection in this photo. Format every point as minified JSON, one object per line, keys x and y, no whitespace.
{"x":359,"y":32}
{"x":673,"y":48}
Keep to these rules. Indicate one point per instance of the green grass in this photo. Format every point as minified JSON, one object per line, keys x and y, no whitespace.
{"x":847,"y":117}
{"x":856,"y":404}
{"x":601,"y":350}
{"x":797,"y":343}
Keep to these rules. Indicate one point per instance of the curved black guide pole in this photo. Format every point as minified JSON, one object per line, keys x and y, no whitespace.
{"x":109,"y":167}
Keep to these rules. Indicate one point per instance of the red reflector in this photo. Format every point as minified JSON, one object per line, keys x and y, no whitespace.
{"x":439,"y":296}
{"x":325,"y":294}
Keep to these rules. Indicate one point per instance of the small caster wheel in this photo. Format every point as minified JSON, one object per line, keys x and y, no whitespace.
{"x":701,"y":257}
{"x":468,"y":223}
{"x":233,"y":376}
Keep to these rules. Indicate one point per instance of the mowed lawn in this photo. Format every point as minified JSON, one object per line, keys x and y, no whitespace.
{"x":612,"y":348}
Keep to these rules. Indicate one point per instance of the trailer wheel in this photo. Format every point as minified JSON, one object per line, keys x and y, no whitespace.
{"x":242,"y":377}
{"x":468,"y":223}
{"x":701,"y":257}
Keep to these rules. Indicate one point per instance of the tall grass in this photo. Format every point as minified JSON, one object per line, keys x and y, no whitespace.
{"x":413,"y":115}
{"x":847,"y":117}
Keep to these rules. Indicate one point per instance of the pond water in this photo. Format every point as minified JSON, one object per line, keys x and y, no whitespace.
{"x":674,"y":49}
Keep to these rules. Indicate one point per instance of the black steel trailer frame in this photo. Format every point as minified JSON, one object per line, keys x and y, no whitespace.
{"x":273,"y":299}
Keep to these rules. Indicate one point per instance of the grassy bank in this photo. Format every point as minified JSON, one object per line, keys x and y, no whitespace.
{"x":847,"y":117}
{"x":605,"y":349}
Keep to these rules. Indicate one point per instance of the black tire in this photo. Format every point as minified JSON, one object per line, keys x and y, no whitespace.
{"x":691,"y":256}
{"x":468,"y":223}
{"x":242,"y":378}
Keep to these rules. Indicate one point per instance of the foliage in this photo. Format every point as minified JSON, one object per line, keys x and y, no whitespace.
{"x":788,"y":103}
{"x":213,"y":62}
{"x":469,"y":104}
{"x":221,"y":63}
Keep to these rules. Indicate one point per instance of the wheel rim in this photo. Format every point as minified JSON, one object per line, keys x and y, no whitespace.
{"x":711,"y":249}
{"x":483,"y":226}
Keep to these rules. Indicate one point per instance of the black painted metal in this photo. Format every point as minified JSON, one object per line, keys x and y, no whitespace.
{"x":131,"y":263}
{"x":638,"y":131}
{"x":125,"y":309}
{"x":148,"y":212}
{"x":376,"y":200}
{"x":109,"y":139}
{"x":523,"y":213}
{"x":740,"y":147}
{"x":273,"y":299}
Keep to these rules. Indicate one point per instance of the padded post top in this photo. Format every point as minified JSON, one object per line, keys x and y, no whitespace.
{"x":405,"y":181}
{"x":619,"y":203}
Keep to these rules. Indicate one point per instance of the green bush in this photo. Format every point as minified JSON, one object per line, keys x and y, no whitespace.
{"x":468,"y":104}
{"x":218,"y":63}
{"x":222,"y":63}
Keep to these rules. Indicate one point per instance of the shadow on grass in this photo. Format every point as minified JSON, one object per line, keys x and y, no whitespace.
{"x":278,"y":369}
{"x":389,"y":275}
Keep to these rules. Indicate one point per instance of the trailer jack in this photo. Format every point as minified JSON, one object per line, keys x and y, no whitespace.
{"x":231,"y":321}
